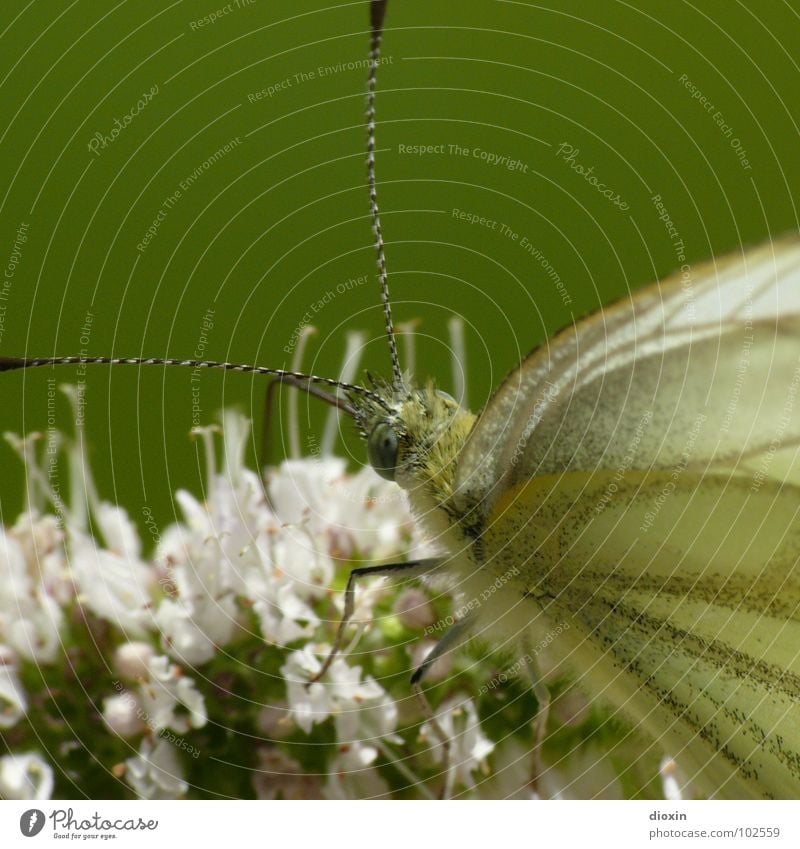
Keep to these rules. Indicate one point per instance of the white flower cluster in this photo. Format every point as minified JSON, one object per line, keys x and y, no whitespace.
{"x":242,"y":565}
{"x":200,"y":655}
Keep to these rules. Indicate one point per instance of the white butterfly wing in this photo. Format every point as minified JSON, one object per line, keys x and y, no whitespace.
{"x":639,"y":472}
{"x":626,"y":386}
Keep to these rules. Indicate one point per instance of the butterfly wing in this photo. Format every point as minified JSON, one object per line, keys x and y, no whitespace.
{"x":641,"y":473}
{"x":625,"y":385}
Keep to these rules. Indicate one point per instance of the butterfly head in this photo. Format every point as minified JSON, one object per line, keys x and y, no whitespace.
{"x":413,"y":434}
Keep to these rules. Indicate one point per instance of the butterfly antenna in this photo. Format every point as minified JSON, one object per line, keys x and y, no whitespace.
{"x":296,"y":378}
{"x":377,"y":13}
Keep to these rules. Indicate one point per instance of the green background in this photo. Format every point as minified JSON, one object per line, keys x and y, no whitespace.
{"x":283,"y":218}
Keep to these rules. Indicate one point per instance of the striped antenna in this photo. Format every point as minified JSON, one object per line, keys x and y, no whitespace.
{"x":12,"y":363}
{"x":377,"y":13}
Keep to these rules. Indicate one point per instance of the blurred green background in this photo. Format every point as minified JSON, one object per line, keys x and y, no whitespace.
{"x":695,"y":102}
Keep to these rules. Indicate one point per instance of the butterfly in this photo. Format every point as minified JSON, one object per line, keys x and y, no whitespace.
{"x":633,"y":487}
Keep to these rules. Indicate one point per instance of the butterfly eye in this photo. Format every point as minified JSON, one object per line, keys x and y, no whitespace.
{"x":382,"y":450}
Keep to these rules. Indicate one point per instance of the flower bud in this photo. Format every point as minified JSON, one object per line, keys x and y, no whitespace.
{"x":122,"y":715}
{"x":413,"y":609}
{"x":131,"y":660}
{"x":25,"y":776}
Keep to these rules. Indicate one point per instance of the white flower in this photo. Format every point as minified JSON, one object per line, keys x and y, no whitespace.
{"x":211,"y":558}
{"x":156,"y":772}
{"x":112,"y":584}
{"x":235,"y":510}
{"x":122,"y":714}
{"x":234,"y":559}
{"x":25,"y":776}
{"x":42,"y":541}
{"x":469,"y":746}
{"x":30,"y":618}
{"x":670,"y":779}
{"x":131,"y":659}
{"x":170,"y":699}
{"x":308,"y":704}
{"x":362,"y":710}
{"x":209,"y":551}
{"x":181,"y":636}
{"x":279,"y":776}
{"x":283,"y":616}
{"x":13,"y":704}
{"x":299,"y":490}
{"x":117,"y":530}
{"x":359,"y":512}
{"x":274,"y":571}
{"x":374,"y":511}
{"x":291,"y":572}
{"x":352,"y":776}
{"x":275,"y":557}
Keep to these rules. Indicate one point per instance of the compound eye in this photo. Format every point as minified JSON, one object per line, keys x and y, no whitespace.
{"x":382,"y":450}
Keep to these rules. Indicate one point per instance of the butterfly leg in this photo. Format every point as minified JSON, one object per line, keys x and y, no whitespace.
{"x":412,"y":569}
{"x":458,"y":634}
{"x":540,"y":720}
